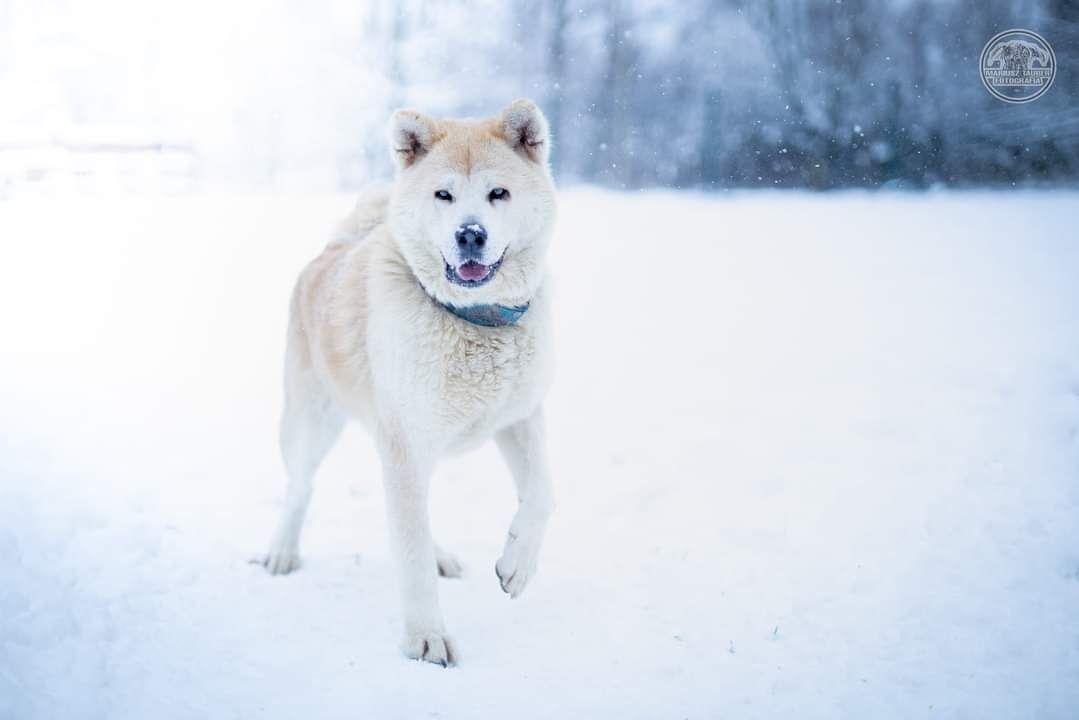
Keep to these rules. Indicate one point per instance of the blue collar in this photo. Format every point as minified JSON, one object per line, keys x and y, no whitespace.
{"x":484,"y":315}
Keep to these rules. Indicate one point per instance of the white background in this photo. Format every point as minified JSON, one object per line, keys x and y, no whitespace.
{"x":814,"y":457}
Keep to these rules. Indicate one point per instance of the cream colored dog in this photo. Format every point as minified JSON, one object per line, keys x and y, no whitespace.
{"x":427,"y":319}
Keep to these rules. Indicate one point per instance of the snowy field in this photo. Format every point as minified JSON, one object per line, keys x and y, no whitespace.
{"x":816,"y":457}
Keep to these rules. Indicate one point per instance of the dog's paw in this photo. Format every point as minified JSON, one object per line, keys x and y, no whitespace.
{"x":448,"y":565}
{"x":279,"y":561}
{"x":430,"y":646}
{"x":517,"y":564}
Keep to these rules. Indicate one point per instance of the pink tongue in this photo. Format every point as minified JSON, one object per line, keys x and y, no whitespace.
{"x":472,"y":270}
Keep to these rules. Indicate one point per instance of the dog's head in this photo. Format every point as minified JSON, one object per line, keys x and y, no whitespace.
{"x":473,"y":204}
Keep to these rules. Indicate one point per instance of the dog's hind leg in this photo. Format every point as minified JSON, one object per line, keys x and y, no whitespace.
{"x":310,"y":425}
{"x":523,"y":446}
{"x":448,"y":564}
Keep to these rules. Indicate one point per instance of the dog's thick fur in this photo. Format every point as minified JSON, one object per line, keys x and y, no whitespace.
{"x":366,"y":340}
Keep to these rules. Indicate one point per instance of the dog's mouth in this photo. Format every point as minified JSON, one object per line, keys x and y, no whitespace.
{"x":472,"y":273}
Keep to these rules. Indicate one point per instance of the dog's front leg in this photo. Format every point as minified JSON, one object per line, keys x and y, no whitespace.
{"x":406,"y":476}
{"x":524,"y":447}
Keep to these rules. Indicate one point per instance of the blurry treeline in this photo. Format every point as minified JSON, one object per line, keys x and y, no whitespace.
{"x":740,"y":93}
{"x":704,"y":94}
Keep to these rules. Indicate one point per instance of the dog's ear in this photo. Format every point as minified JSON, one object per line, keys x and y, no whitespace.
{"x":411,"y":135}
{"x":526,"y":130}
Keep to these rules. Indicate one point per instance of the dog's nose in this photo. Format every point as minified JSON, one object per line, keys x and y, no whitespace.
{"x":471,"y":237}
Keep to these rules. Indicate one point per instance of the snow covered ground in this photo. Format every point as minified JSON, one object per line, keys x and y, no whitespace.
{"x":816,"y":457}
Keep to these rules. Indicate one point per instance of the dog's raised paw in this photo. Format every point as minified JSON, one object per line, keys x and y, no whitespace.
{"x":517,"y":565}
{"x":432,"y":647}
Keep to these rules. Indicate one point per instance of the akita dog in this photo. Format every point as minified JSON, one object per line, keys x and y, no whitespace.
{"x":427,"y":319}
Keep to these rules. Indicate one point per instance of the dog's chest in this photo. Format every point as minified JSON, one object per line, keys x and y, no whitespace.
{"x":454,"y":382}
{"x":489,"y":376}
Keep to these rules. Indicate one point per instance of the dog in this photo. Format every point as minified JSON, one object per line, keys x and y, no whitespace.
{"x":427,"y":319}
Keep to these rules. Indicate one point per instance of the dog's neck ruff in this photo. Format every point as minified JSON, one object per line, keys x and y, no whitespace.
{"x":492,"y":315}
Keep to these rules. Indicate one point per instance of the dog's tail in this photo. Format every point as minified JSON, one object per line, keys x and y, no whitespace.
{"x":368,"y":213}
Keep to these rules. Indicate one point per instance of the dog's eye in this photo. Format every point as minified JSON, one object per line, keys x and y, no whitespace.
{"x":443,"y":195}
{"x":498,"y":193}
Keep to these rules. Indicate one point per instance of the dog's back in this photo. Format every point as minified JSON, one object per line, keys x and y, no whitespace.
{"x":310,"y":355}
{"x":368,"y":213}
